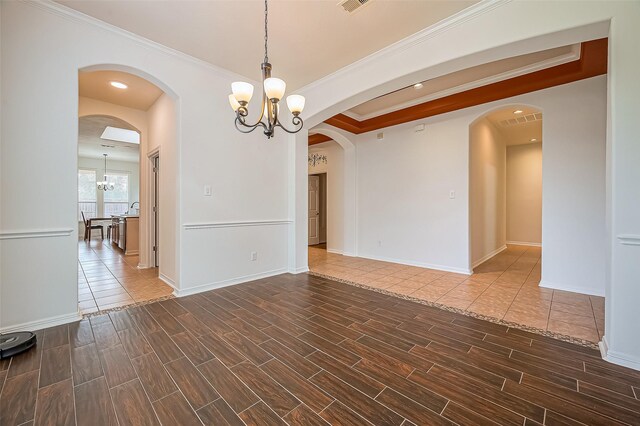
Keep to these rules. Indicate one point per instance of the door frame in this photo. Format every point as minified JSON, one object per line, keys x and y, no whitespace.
{"x":153,"y":181}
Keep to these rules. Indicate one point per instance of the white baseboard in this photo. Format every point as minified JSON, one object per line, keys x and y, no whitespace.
{"x":300,"y":270}
{"x":489,"y":256}
{"x":334,"y":251}
{"x":419,"y":264}
{"x":573,"y":289}
{"x":142,"y":266}
{"x":616,"y":357}
{"x":225,"y":283}
{"x":168,"y":281}
{"x":43,"y":323}
{"x":524,"y":243}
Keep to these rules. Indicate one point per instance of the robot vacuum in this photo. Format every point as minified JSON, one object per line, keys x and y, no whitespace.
{"x":14,"y":343}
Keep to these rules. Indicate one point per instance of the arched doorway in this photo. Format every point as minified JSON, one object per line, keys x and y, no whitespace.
{"x":505,"y":183}
{"x":128,"y":266}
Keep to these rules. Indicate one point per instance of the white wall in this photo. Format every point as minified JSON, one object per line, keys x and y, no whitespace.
{"x":487,"y":190}
{"x":335,"y":192}
{"x":405,"y":213}
{"x":473,"y":38}
{"x":524,"y":193}
{"x":248,"y":175}
{"x":162,"y":137}
{"x":404,"y":210}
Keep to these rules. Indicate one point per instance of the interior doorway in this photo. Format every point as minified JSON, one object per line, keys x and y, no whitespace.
{"x":318,"y":210}
{"x":155,"y":208}
{"x":505,"y":182}
{"x":118,"y":202}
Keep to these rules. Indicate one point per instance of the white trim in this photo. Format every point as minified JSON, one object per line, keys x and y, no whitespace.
{"x":43,"y":323}
{"x":555,"y":286}
{"x":421,"y":36}
{"x":629,"y":239}
{"x":334,"y":251}
{"x":524,"y":243}
{"x":419,"y":264}
{"x":225,"y":283}
{"x":489,"y":256}
{"x":299,"y":270}
{"x":69,"y":13}
{"x":618,"y":358}
{"x":190,"y":226}
{"x":171,"y":283}
{"x":35,"y":233}
{"x":547,"y":63}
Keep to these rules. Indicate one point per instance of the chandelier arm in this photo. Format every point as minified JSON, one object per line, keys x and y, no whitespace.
{"x":240,"y":116}
{"x":248,"y":128}
{"x":297,"y":122}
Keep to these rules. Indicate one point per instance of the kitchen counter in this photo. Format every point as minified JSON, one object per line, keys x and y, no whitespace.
{"x":125,"y":233}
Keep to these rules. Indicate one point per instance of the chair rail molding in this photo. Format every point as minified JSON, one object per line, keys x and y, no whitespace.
{"x":35,"y":233}
{"x":236,"y":224}
{"x":629,"y":239}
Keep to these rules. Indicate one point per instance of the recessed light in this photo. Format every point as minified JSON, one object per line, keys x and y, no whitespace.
{"x":417,"y":86}
{"x":518,"y":111}
{"x":534,"y":140}
{"x":118,"y":85}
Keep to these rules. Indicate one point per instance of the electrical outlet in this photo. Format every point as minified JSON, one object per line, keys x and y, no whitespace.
{"x":254,"y":255}
{"x":379,"y":243}
{"x":452,"y":194}
{"x":207,"y":190}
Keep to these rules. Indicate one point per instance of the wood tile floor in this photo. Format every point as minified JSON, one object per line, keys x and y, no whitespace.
{"x":301,"y":350}
{"x":505,"y":287}
{"x":107,"y":279}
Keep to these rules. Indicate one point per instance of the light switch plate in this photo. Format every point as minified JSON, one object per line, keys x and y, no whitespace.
{"x":207,"y":190}
{"x":452,"y":194}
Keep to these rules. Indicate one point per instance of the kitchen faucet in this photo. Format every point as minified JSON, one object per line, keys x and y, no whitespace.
{"x":134,"y":203}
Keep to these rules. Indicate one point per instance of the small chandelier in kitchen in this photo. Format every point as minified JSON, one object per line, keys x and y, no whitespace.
{"x":272,"y":93}
{"x":105,"y":185}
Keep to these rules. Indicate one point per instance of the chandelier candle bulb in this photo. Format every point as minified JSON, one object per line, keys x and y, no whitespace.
{"x":295,"y":103}
{"x":234,"y":102}
{"x":274,"y":88}
{"x":242,"y":91}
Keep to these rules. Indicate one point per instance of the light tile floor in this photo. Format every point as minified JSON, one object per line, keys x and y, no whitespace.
{"x":504,"y":287}
{"x":108,"y":279}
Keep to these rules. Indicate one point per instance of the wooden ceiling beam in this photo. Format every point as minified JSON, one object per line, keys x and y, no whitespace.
{"x":593,"y":62}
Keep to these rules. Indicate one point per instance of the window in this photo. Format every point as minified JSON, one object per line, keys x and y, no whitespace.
{"x":117,"y":201}
{"x":87,"y":194}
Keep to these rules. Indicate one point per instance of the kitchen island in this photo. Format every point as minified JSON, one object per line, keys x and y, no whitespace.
{"x":125,"y":233}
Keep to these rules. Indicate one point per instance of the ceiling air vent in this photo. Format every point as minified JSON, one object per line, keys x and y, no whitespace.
{"x":353,"y":5}
{"x":520,"y":120}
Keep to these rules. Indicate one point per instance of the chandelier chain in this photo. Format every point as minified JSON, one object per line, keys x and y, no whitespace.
{"x":266,"y":34}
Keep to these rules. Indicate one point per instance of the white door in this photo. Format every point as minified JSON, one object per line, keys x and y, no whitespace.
{"x":314,"y":210}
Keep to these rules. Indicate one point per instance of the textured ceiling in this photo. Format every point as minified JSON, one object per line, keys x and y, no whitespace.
{"x":90,"y":145}
{"x":307,"y":39}
{"x":139,"y":95}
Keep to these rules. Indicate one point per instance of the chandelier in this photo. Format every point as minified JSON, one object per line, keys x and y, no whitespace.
{"x":105,"y":185}
{"x":272,"y":93}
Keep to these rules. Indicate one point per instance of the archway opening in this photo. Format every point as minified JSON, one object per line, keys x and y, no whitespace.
{"x":126,"y":201}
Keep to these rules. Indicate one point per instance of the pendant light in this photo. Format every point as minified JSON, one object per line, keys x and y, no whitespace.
{"x":105,"y":185}
{"x":272,"y":93}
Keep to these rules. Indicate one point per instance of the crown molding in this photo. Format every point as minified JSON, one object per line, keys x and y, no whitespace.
{"x":593,"y":62}
{"x":506,"y":75}
{"x":74,"y":15}
{"x":421,"y":36}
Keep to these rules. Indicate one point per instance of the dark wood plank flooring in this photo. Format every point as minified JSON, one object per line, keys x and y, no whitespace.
{"x":301,"y":350}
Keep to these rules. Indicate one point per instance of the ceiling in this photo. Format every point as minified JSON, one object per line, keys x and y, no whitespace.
{"x":307,"y":39}
{"x":140,"y":94}
{"x":464,"y":80}
{"x":90,"y":145}
{"x":520,"y":128}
